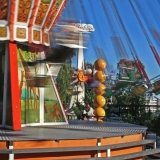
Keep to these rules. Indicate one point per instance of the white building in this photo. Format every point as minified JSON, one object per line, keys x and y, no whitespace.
{"x":153,"y":101}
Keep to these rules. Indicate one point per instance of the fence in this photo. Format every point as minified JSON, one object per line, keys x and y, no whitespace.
{"x":120,"y":110}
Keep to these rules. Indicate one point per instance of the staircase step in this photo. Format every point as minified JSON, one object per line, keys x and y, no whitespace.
{"x":125,"y":156}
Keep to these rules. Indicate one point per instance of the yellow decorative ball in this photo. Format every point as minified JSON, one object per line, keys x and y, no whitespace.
{"x":101,"y":86}
{"x":99,"y":92}
{"x":100,"y":89}
{"x":100,"y":76}
{"x":100,"y":64}
{"x":100,"y":112}
{"x":99,"y":101}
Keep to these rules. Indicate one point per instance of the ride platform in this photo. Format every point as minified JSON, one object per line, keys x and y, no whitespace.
{"x":80,"y":139}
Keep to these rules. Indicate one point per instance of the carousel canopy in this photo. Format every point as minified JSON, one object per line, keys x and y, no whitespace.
{"x":28,"y":20}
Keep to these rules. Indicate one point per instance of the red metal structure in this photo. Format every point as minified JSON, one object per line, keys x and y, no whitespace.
{"x":141,"y":69}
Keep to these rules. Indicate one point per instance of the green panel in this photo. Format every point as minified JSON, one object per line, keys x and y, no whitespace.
{"x":46,"y":1}
{"x":108,"y":92}
{"x":58,"y":3}
{"x":132,"y":76}
{"x":158,"y":92}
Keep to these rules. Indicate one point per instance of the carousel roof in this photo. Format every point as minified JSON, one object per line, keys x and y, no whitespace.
{"x":28,"y":20}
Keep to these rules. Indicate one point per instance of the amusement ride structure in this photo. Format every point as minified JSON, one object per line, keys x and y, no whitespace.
{"x":24,"y":33}
{"x":33,"y":122}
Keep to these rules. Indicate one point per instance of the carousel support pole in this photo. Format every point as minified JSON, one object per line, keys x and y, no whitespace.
{"x":16,"y":118}
{"x":81,"y":95}
{"x":80,"y":61}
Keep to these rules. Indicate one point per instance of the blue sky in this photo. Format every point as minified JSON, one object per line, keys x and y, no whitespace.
{"x":107,"y":25}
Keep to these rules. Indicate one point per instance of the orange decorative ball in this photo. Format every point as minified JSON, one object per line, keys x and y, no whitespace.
{"x":100,"y":64}
{"x":99,"y":101}
{"x":100,"y":112}
{"x":100,"y":76}
{"x":99,"y":92}
{"x":100,"y":89}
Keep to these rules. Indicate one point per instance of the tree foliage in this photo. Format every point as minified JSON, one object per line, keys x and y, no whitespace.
{"x":89,"y":97}
{"x":78,"y":107}
{"x":128,"y":98}
{"x":129,"y":106}
{"x":63,"y":55}
{"x":63,"y":81}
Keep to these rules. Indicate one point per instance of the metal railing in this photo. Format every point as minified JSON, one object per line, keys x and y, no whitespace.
{"x":132,"y":109}
{"x":124,"y":110}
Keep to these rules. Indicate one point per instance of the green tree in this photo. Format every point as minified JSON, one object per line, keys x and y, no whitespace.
{"x":63,"y":55}
{"x":132,"y":107}
{"x":63,"y":81}
{"x":89,"y":96}
{"x":128,"y":98}
{"x":78,"y":107}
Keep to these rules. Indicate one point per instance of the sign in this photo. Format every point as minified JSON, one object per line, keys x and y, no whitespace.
{"x":84,"y":27}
